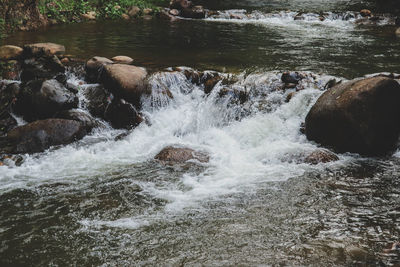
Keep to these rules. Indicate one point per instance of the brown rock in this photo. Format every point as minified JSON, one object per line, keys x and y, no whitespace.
{"x":126,"y":81}
{"x":40,"y":135}
{"x":398,"y":32}
{"x":133,"y":11}
{"x":93,"y":67}
{"x":8,"y":52}
{"x":360,"y":116}
{"x":366,"y":13}
{"x":48,"y":48}
{"x":290,"y":96}
{"x":122,"y":60}
{"x":147,"y":11}
{"x":174,"y":12}
{"x":174,"y":155}
{"x":321,"y":156}
{"x":91,"y":15}
{"x":125,"y":16}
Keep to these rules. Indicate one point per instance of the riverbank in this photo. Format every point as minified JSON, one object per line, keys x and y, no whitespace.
{"x":32,"y":14}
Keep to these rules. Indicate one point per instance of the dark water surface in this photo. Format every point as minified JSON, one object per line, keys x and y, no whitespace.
{"x":102,"y":202}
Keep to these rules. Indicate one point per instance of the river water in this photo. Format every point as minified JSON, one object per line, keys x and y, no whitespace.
{"x":106,"y":202}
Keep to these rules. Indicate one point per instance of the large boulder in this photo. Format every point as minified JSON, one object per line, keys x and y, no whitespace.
{"x":40,"y":135}
{"x":8,"y":52}
{"x":176,"y":155}
{"x":125,"y":81}
{"x":41,"y":67}
{"x":94,"y":66}
{"x":43,"y":48}
{"x":361,"y":116}
{"x":122,"y":115}
{"x":41,"y":100}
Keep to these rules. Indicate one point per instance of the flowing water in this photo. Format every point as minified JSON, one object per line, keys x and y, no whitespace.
{"x":106,"y":202}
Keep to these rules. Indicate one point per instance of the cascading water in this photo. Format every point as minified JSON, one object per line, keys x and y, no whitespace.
{"x":106,"y":201}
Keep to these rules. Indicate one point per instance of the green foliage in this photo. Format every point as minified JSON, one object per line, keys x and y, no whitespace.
{"x":2,"y":28}
{"x":70,"y":10}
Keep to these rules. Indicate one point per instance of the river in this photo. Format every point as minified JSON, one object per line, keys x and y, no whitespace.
{"x":107,"y":202}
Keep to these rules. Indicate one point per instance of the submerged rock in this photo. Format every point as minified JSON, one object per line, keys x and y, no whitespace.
{"x":361,"y":116}
{"x":321,"y":156}
{"x":94,"y":66}
{"x":122,"y":115}
{"x":40,"y":135}
{"x":175,"y":155}
{"x":9,"y":52}
{"x":41,"y":100}
{"x":126,"y":81}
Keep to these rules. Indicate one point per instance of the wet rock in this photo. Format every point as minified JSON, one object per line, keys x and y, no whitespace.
{"x":133,"y":11}
{"x":97,"y":98}
{"x":321,"y":156}
{"x":190,"y":74}
{"x":8,"y":95}
{"x":196,"y":12}
{"x":78,"y":115}
{"x":147,"y":17}
{"x":41,"y":135}
{"x":126,"y":81}
{"x":174,"y":12}
{"x":8,"y":52}
{"x":125,"y":16}
{"x":91,"y":15}
{"x":94,"y":66}
{"x":41,"y":100}
{"x":398,"y":32}
{"x":164,"y":14}
{"x":291,"y":77}
{"x":41,"y":67}
{"x":122,"y":60}
{"x":210,"y":79}
{"x":43,"y":48}
{"x":365,"y":13}
{"x":180,"y":4}
{"x":290,"y":96}
{"x":11,"y":160}
{"x":122,"y":115}
{"x":175,"y":155}
{"x":147,"y":11}
{"x":360,"y":116}
{"x":7,"y":123}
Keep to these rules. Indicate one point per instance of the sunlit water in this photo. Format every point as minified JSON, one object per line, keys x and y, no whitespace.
{"x":103,"y":202}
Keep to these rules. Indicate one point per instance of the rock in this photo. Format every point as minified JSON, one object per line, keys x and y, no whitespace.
{"x":122,"y":60}
{"x":64,"y":60}
{"x":48,"y":48}
{"x":41,"y":67}
{"x":10,"y":70}
{"x":180,"y":4}
{"x":8,"y":52}
{"x":360,"y":116}
{"x":197,"y":12}
{"x":291,"y":77}
{"x":126,"y":81}
{"x":147,"y":11}
{"x":94,"y":66}
{"x":97,"y":98}
{"x":77,"y":115}
{"x":125,"y":16}
{"x":174,"y":155}
{"x":321,"y":156}
{"x":7,"y":123}
{"x":365,"y":13}
{"x":42,"y":100}
{"x":174,"y":12}
{"x":40,"y":135}
{"x":8,"y":96}
{"x":133,"y":11}
{"x":91,"y":15}
{"x":122,"y":115}
{"x":147,"y":17}
{"x":210,"y":80}
{"x":398,"y":32}
{"x":290,"y":96}
{"x":11,"y":160}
